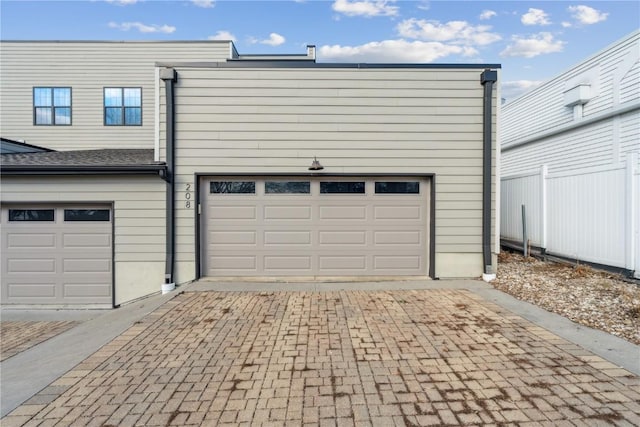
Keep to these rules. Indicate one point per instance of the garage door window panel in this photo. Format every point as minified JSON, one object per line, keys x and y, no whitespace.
{"x":397,"y":187}
{"x":232,"y":187}
{"x":86,"y":215}
{"x":342,"y":187}
{"x":287,"y":187}
{"x":31,"y":215}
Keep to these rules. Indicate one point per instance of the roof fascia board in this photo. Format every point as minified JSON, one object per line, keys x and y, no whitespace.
{"x":234,"y":63}
{"x":122,"y":41}
{"x":92,"y":170}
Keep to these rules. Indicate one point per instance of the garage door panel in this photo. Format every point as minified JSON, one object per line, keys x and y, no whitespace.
{"x":233,"y":262}
{"x":31,"y":290}
{"x":342,"y":237}
{"x":393,"y":212}
{"x":233,"y":237}
{"x":84,"y":265}
{"x":233,"y":212}
{"x":282,"y":263}
{"x":31,"y":265}
{"x":85,"y":290}
{"x":343,"y":213}
{"x":410,"y":237}
{"x":287,"y":212}
{"x":316,"y":233}
{"x":32,"y":241}
{"x":280,"y":237}
{"x":334,"y":263}
{"x":397,"y":262}
{"x":86,"y":240}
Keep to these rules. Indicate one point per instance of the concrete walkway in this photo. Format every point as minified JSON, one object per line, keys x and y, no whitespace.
{"x":392,"y":353}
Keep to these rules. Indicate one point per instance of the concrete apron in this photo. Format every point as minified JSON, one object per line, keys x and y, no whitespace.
{"x":30,"y":371}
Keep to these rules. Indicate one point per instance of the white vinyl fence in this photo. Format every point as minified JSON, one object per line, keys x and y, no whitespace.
{"x":591,"y":215}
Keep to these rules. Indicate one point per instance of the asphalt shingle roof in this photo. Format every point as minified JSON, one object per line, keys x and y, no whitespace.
{"x":82,"y":158}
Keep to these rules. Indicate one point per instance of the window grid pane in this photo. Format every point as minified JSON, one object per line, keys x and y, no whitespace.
{"x":113,"y":116}
{"x":132,"y":116}
{"x":112,"y":97}
{"x":132,"y":97}
{"x":61,"y":97}
{"x":42,"y":97}
{"x":63,"y":116}
{"x":43,"y":116}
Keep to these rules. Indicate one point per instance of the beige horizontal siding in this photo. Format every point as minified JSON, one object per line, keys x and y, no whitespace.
{"x":459,"y":147}
{"x":320,"y":136}
{"x":87,"y":67}
{"x":262,"y":121}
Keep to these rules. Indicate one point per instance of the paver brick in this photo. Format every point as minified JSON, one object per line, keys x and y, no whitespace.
{"x":349,"y":358}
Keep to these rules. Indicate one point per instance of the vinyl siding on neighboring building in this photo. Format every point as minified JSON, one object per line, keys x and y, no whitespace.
{"x":543,"y":108}
{"x":138,"y":219}
{"x":365,"y":121}
{"x":88,"y":67}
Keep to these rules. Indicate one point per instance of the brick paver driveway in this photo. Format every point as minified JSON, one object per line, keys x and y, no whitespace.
{"x":428,"y":357}
{"x":22,"y":335}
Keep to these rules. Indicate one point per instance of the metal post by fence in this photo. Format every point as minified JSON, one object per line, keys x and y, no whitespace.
{"x":525,"y":239}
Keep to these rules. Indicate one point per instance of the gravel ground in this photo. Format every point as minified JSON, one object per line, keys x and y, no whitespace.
{"x":594,"y":298}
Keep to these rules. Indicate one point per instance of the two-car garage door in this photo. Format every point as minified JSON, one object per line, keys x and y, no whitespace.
{"x":302,"y":226}
{"x":58,"y":255}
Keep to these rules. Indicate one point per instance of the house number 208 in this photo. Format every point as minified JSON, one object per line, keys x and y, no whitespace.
{"x":187,"y":196}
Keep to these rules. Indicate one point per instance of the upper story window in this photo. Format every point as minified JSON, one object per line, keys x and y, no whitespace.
{"x":52,"y":106}
{"x":122,"y":106}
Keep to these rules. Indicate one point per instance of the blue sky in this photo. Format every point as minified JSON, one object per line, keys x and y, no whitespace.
{"x":533,"y":40}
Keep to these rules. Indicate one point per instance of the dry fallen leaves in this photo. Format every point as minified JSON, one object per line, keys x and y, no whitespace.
{"x":593,"y":298}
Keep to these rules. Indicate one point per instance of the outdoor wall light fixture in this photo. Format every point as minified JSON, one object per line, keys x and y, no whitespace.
{"x":315,"y":165}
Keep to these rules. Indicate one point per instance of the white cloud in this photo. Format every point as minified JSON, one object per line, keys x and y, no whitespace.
{"x":393,"y":51}
{"x":535,"y":17}
{"x":424,"y":5}
{"x":515,"y":88}
{"x":566,"y":24}
{"x":204,"y":3}
{"x":534,"y":45}
{"x":487,"y":14}
{"x":274,"y":39}
{"x":586,"y":15}
{"x":457,"y":32}
{"x":367,"y":8}
{"x":223,"y":35}
{"x":143,"y":28}
{"x":122,"y":2}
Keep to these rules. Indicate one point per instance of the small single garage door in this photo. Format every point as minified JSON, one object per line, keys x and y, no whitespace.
{"x":59,"y":255}
{"x":305,"y":226}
